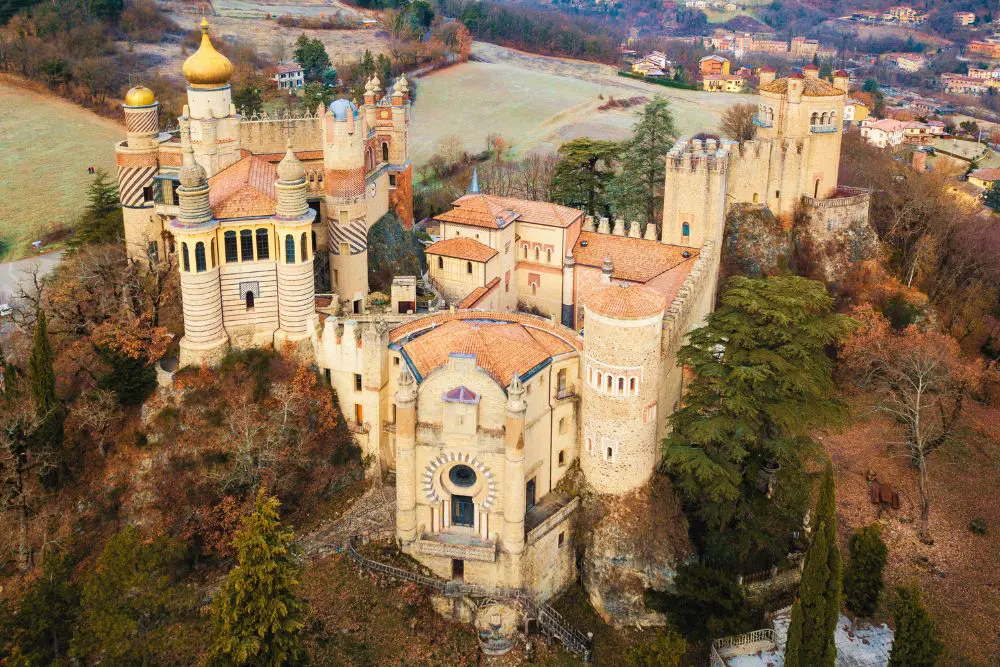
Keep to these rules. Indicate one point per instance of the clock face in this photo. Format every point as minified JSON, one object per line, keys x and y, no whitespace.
{"x":371,"y":191}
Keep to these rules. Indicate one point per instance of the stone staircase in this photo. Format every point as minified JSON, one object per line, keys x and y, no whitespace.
{"x":551,"y":622}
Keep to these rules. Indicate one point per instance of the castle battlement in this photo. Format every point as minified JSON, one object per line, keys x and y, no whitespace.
{"x":688,"y":155}
{"x":678,"y":318}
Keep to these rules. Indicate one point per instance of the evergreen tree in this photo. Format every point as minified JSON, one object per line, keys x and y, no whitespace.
{"x":762,"y":379}
{"x":863,"y":574}
{"x":315,"y":93}
{"x":43,"y":626}
{"x":634,"y":191}
{"x":102,"y":219}
{"x":258,"y":616}
{"x":916,"y":643}
{"x":815,"y":612}
{"x":582,"y":173}
{"x":707,"y":604}
{"x":131,"y":380}
{"x":992,"y":196}
{"x":312,"y":57}
{"x":129,"y":601}
{"x":42,"y":379}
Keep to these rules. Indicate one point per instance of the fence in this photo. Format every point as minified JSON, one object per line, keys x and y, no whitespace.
{"x":745,"y":644}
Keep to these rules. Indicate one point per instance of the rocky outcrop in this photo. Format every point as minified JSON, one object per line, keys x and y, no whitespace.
{"x":755,"y":244}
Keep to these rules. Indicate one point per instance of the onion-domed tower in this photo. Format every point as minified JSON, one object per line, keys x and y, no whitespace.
{"x":215,"y":133}
{"x":620,"y":386}
{"x":137,"y":159}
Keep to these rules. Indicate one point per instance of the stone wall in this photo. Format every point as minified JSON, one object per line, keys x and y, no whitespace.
{"x":265,"y":134}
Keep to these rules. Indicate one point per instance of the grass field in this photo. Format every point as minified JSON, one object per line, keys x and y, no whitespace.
{"x":537,"y":102}
{"x":46,"y":145}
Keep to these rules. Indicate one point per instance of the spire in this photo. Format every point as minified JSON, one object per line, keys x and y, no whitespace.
{"x":474,"y":185}
{"x":515,"y":392}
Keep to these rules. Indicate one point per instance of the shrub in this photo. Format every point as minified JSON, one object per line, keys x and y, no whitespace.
{"x":863,"y":575}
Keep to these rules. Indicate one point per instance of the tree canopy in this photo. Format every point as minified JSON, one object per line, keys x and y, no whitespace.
{"x":634,"y":192}
{"x":582,"y":173}
{"x":863,"y":575}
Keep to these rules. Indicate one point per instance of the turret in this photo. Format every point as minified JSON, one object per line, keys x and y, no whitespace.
{"x":138,"y":162}
{"x":767,"y":74}
{"x":842,"y":80}
{"x":373,"y":90}
{"x":568,"y":309}
{"x":810,"y":71}
{"x":795,"y":87}
{"x":694,"y":198}
{"x":205,"y":339}
{"x":514,"y":498}
{"x":214,"y":125}
{"x":293,"y":231}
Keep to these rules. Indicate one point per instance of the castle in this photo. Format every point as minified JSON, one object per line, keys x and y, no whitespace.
{"x":481,"y":409}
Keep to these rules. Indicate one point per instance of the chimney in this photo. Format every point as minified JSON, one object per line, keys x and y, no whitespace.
{"x":606,"y":271}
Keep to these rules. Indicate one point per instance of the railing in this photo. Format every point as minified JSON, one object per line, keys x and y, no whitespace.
{"x":356,"y":427}
{"x":745,"y":644}
{"x":550,"y":620}
{"x":486,"y":552}
{"x":752,"y":637}
{"x":822,"y":128}
{"x":759,"y":122}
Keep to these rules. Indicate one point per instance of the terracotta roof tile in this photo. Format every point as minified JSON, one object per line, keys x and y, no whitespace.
{"x":625,"y":302}
{"x":463,"y":247}
{"x":480,"y":210}
{"x":244,"y":189}
{"x":476,"y":295}
{"x":986,"y":174}
{"x":636,"y":260}
{"x":501,"y":348}
{"x":810,"y":87}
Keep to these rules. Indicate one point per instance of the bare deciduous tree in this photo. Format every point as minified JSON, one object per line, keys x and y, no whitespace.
{"x":737,"y":122}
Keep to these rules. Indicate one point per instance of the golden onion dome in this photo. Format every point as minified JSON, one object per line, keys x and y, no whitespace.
{"x":139,"y":96}
{"x":207,"y":68}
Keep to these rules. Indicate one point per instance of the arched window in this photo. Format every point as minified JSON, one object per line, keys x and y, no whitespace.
{"x":214,"y":260}
{"x":756,"y":198}
{"x":600,"y":378}
{"x":632,"y":386}
{"x":385,"y":151}
{"x":229,"y":240}
{"x":184,"y":254}
{"x":249,"y":300}
{"x":246,"y":245}
{"x":536,"y":253}
{"x":823,"y":119}
{"x":812,"y":119}
{"x":305,"y":248}
{"x":263,"y":249}
{"x":621,"y":386}
{"x":289,"y":249}
{"x":833,"y":118}
{"x":314,"y":242}
{"x":369,"y":160}
{"x":440,"y":262}
{"x":524,"y":250}
{"x":562,"y":457}
{"x":609,"y":380}
{"x":548,"y":255}
{"x":199,"y":257}
{"x":685,"y":229}
{"x":468,"y":267}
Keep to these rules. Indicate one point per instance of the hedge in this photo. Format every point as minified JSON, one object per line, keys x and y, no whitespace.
{"x":670,"y":83}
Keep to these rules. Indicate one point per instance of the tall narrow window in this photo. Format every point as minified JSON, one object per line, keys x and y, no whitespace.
{"x":199,"y":257}
{"x":686,"y":229}
{"x":385,"y":152}
{"x":184,"y":252}
{"x":246,"y":245}
{"x":314,"y":242}
{"x":305,"y":247}
{"x":289,"y":249}
{"x":249,"y":300}
{"x":263,"y":249}
{"x":214,"y":260}
{"x":632,"y":386}
{"x":468,"y":267}
{"x":229,"y":241}
{"x":440,"y":262}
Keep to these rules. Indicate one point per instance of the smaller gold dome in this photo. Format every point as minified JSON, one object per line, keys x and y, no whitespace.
{"x":140,"y":96}
{"x":207,"y":68}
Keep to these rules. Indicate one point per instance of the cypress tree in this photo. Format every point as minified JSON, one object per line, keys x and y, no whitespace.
{"x":258,"y":616}
{"x":815,"y":613}
{"x":49,"y":435}
{"x":916,"y":643}
{"x":863,"y":575}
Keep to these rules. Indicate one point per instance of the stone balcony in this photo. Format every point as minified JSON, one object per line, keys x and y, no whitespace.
{"x":464,"y":547}
{"x":759,"y":122}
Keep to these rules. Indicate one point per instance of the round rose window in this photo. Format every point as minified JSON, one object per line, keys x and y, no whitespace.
{"x":462,"y":475}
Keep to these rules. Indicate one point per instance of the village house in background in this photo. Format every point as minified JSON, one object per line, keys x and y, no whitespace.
{"x":855,"y":112}
{"x":964,"y":18}
{"x":984,"y":178}
{"x":985,"y":49}
{"x":654,"y":64}
{"x":905,"y":62}
{"x":888,"y":132}
{"x":741,"y":44}
{"x":716,"y":77}
{"x":289,"y":77}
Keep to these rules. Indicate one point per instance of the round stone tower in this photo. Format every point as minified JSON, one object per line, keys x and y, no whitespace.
{"x":620,"y":386}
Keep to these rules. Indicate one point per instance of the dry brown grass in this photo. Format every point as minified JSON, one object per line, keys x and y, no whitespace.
{"x":960,"y":572}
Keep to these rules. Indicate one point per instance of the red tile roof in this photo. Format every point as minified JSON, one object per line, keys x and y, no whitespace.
{"x":635,"y":260}
{"x":625,"y":302}
{"x":480,"y":210}
{"x":476,"y":295}
{"x":244,"y":189}
{"x":462,"y":247}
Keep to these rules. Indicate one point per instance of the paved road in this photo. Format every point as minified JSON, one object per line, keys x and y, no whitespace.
{"x":12,"y":273}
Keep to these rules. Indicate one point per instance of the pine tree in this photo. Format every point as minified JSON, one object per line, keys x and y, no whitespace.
{"x":815,"y":612}
{"x":762,"y":379}
{"x":635,"y":187}
{"x":863,"y":574}
{"x":102,"y":220}
{"x":43,"y":626}
{"x":582,"y":173}
{"x":992,"y":196}
{"x":258,"y":616}
{"x":916,"y":643}
{"x":48,"y":409}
